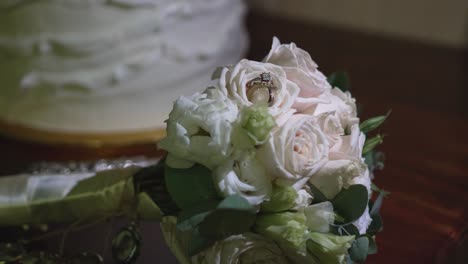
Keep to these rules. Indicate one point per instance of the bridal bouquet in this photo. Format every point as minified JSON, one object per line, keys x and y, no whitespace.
{"x":271,"y":164}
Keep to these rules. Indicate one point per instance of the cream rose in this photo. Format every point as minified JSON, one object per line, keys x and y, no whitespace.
{"x":339,"y":174}
{"x":250,"y":82}
{"x":342,"y":104}
{"x":295,"y":151}
{"x":199,"y":130}
{"x":300,"y":69}
{"x":350,"y":146}
{"x":243,"y":174}
{"x":331,"y":126}
{"x":247,"y":248}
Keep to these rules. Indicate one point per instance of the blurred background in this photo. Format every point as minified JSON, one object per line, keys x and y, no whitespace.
{"x":428,"y":21}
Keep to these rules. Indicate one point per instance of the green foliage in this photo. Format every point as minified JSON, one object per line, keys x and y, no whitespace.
{"x":359,"y":250}
{"x":372,"y":246}
{"x":371,"y":143}
{"x":211,"y":221}
{"x":282,"y":198}
{"x":341,"y":80}
{"x":192,"y":217}
{"x":234,"y":215}
{"x":374,"y":160}
{"x":374,"y":122}
{"x":189,"y":187}
{"x":199,"y":242}
{"x":318,"y":196}
{"x":352,"y":202}
{"x":151,"y":180}
{"x":377,"y":204}
{"x":376,"y":224}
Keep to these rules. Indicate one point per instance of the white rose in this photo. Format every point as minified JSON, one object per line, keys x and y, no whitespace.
{"x":295,"y":151}
{"x":300,"y":69}
{"x":350,"y":146}
{"x":247,"y":248}
{"x":338,"y":174}
{"x":199,"y":130}
{"x":340,"y":103}
{"x":280,"y":96}
{"x":303,"y":199}
{"x":245,"y":176}
{"x":331,"y":126}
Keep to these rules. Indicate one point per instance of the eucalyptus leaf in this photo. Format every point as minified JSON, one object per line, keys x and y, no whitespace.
{"x":199,"y":242}
{"x":371,"y":143}
{"x":376,"y":225}
{"x":234,"y":215}
{"x":317,"y":195}
{"x":372,"y":246}
{"x":375,"y":160}
{"x":236,"y":202}
{"x":359,"y":250}
{"x":377,"y":204}
{"x":191,"y":217}
{"x":374,"y":122}
{"x":349,"y":260}
{"x":151,"y":180}
{"x":189,"y":187}
{"x":340,"y":79}
{"x":352,"y":202}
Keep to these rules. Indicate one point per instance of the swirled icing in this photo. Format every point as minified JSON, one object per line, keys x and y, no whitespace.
{"x":110,"y":65}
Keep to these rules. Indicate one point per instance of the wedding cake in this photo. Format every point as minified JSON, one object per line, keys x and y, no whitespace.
{"x":109,"y":66}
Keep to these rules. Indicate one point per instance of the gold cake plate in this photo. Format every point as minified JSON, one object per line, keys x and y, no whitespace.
{"x":37,"y":135}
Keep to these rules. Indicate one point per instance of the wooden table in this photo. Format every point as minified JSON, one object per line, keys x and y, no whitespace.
{"x":426,"y":144}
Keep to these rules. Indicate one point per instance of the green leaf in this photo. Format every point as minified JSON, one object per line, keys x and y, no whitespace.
{"x":199,"y":242}
{"x":372,"y":246}
{"x":191,"y":217}
{"x":377,"y":204}
{"x":359,"y":250}
{"x":374,"y":122}
{"x":189,"y":187}
{"x":151,"y":180}
{"x":234,"y":215}
{"x":376,"y":225}
{"x":318,"y":196}
{"x":352,"y":202}
{"x":340,"y":79}
{"x":236,"y":202}
{"x":375,"y":160}
{"x":371,"y":143}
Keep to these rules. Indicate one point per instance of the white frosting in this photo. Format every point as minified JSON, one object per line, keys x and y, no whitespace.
{"x":110,"y":65}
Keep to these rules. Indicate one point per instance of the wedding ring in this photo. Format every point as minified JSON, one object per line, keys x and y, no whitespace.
{"x":261,"y":89}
